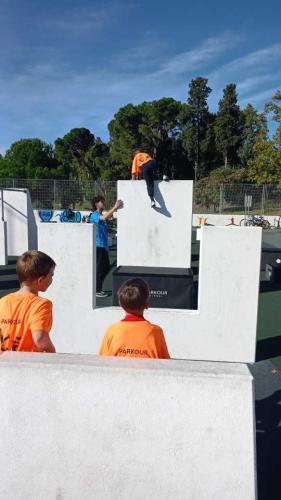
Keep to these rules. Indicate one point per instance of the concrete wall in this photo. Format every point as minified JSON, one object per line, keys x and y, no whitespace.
{"x":83,"y":427}
{"x":3,"y":243}
{"x":21,"y":226}
{"x":222,"y":329}
{"x":73,"y":291}
{"x":158,"y":237}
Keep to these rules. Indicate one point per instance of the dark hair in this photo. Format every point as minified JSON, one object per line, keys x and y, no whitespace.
{"x":133,"y":294}
{"x":96,"y":200}
{"x":142,"y":150}
{"x":33,"y":264}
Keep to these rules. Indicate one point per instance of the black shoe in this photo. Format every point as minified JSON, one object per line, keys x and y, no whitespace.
{"x":153,"y":204}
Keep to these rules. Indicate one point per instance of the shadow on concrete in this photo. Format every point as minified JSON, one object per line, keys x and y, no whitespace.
{"x":269,"y":286}
{"x":195,"y":258}
{"x":195,"y":295}
{"x":268,"y":439}
{"x":268,"y":348}
{"x":162,"y":209}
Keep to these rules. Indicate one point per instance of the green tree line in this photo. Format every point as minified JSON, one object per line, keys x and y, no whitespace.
{"x":187,"y":140}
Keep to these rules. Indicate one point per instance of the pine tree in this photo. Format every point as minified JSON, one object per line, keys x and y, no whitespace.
{"x":195,"y":119}
{"x":228,"y":127}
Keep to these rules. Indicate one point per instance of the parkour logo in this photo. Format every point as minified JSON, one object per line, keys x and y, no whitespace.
{"x":159,"y":294}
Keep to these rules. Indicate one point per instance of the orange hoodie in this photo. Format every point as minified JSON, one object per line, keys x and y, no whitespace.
{"x":138,"y":161}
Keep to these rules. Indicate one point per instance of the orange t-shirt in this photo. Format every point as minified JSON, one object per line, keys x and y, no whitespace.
{"x":138,"y":161}
{"x":134,"y":337}
{"x":21,"y":314}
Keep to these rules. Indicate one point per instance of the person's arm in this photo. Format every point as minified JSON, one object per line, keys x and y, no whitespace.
{"x":110,"y":213}
{"x":135,"y":167}
{"x":160,"y":344}
{"x":43,"y":342}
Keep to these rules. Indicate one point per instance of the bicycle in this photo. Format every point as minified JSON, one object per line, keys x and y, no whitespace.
{"x":255,"y":220}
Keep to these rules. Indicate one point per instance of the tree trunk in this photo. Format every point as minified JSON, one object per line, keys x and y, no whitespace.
{"x":195,"y":170}
{"x":225,"y":161}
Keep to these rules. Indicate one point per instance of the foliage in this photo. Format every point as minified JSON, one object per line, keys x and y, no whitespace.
{"x":228,"y":175}
{"x":197,"y":125}
{"x":185,"y":138}
{"x":265,"y":167}
{"x":274,"y":106}
{"x":71,"y":153}
{"x":28,"y":158}
{"x":253,"y":124}
{"x":150,"y":126}
{"x":228,"y":127}
{"x":207,"y":195}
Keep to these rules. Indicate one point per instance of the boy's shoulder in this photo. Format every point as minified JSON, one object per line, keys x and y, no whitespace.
{"x":124,"y":325}
{"x":29,"y":298}
{"x":155,"y":328}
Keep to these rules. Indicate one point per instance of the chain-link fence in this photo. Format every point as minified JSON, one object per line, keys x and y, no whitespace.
{"x":237,"y":198}
{"x":217,"y":198}
{"x":59,"y":194}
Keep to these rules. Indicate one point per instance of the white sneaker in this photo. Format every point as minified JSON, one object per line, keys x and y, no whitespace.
{"x":166,"y":178}
{"x":101,"y":294}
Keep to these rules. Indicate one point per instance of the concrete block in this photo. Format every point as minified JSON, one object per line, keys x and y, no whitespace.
{"x":222,"y":329}
{"x":84,"y":427}
{"x":73,"y":291}
{"x":158,"y":237}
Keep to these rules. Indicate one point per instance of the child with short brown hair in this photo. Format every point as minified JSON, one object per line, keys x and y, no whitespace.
{"x":25,"y":318}
{"x":134,"y":336}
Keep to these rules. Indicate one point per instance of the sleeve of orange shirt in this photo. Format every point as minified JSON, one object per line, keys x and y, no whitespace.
{"x":159,"y":342}
{"x":42,"y":317}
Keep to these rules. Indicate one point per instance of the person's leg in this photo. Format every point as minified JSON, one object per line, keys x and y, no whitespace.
{"x":148,"y":173}
{"x":105,"y":265}
{"x":98,"y":269}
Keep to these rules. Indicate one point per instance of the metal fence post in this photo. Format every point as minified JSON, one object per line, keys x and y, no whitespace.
{"x":54,"y":194}
{"x":221,"y":199}
{"x":2,"y":205}
{"x":262,"y":199}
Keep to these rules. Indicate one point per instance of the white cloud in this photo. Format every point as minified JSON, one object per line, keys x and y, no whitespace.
{"x":254,"y":61}
{"x":83,"y":19}
{"x":194,"y":59}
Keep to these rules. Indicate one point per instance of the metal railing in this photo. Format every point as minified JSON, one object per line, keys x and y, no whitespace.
{"x":2,"y":199}
{"x":207,"y":198}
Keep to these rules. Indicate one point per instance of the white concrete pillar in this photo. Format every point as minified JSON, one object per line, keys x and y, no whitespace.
{"x":159,"y":237}
{"x":73,"y":291}
{"x":3,"y":243}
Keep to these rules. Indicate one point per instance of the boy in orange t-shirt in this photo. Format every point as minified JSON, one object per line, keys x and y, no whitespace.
{"x":25,"y":318}
{"x":145,"y":165}
{"x":134,"y":336}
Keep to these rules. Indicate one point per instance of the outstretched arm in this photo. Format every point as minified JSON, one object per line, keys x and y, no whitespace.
{"x":110,"y":212}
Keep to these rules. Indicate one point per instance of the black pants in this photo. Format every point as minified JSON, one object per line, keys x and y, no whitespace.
{"x":102,"y":266}
{"x":148,"y":173}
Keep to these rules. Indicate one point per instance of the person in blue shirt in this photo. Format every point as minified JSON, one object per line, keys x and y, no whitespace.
{"x":100,"y":219}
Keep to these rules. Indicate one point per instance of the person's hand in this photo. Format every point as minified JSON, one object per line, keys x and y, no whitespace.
{"x":118,"y":204}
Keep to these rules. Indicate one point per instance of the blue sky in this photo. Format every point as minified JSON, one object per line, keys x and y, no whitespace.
{"x":66,"y":64}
